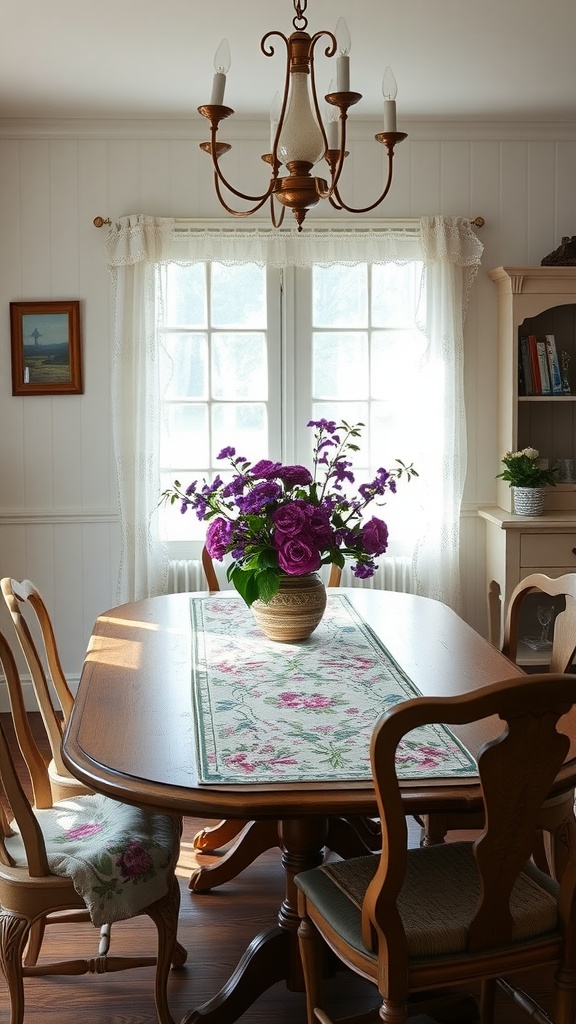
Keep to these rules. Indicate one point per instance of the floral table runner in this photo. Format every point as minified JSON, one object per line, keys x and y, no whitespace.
{"x":271,"y":712}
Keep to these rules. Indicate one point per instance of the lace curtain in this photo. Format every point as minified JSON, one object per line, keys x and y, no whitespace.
{"x":451,"y":254}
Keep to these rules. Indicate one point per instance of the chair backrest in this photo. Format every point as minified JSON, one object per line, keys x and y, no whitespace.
{"x":517,"y":769}
{"x":208,"y":567}
{"x":564,"y":635}
{"x":212,"y":579}
{"x":18,"y":596}
{"x":13,"y":790}
{"x":335,"y":575}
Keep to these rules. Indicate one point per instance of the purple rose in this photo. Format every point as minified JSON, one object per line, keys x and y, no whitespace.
{"x":135,"y":862}
{"x":294,"y":476}
{"x":375,"y":536}
{"x":297,"y":556}
{"x":320,"y":526}
{"x":218,"y":536}
{"x":291,"y":518}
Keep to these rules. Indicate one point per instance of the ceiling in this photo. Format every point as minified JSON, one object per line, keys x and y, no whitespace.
{"x":496,"y":60}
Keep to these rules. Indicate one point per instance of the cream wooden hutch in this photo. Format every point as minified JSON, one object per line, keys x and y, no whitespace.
{"x":538,"y":301}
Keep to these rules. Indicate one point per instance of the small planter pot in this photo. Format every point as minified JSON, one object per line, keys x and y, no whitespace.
{"x":529,"y":501}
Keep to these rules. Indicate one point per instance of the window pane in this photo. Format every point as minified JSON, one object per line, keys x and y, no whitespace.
{"x":239,"y":366}
{"x":340,"y":296}
{"x":184,"y":366}
{"x":238,"y":296}
{"x":340,"y":365}
{"x":184,"y":442}
{"x":396,"y":356}
{"x":185,"y":296}
{"x":395,"y":289}
{"x":244,"y":427}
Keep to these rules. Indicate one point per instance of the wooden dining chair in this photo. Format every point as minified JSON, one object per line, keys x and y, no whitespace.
{"x":563,"y":643}
{"x":252,"y":838}
{"x":415,"y":920}
{"x":563,"y":647}
{"x":86,"y":858}
{"x":27,"y":609}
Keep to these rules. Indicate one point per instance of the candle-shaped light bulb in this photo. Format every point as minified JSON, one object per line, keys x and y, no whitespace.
{"x":332,"y":117}
{"x":274,"y":118}
{"x":389,"y":91}
{"x":222,"y":61}
{"x":343,"y":60}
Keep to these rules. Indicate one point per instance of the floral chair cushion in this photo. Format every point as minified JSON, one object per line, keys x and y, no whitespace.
{"x":120,"y":858}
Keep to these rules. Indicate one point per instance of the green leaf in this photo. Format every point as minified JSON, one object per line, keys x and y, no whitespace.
{"x":267,"y":583}
{"x":240,"y":579}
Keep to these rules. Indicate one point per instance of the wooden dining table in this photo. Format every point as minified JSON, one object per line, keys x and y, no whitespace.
{"x":133,"y":736}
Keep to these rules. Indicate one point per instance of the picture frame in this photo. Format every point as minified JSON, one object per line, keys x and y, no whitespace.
{"x":45,"y":348}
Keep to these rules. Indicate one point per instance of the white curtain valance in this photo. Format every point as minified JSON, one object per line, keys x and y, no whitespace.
{"x":141,"y":238}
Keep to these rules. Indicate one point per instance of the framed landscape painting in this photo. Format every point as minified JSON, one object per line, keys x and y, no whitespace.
{"x":45,"y":340}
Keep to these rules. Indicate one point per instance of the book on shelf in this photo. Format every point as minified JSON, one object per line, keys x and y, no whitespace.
{"x":534,"y":365}
{"x":524,"y":362}
{"x":546,"y":386}
{"x":554,"y":365}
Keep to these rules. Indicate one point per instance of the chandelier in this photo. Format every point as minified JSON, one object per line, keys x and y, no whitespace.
{"x":298,"y":136}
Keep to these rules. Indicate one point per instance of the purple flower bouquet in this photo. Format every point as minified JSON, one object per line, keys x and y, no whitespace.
{"x":276,"y":519}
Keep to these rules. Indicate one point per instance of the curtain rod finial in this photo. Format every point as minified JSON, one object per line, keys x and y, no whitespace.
{"x":98,"y":222}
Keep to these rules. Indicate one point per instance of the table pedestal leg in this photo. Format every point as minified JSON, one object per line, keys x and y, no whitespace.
{"x":274,"y":954}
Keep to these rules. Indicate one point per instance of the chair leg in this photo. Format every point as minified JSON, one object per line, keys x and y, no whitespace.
{"x":164,"y":913}
{"x":34,"y":943}
{"x":564,"y":997}
{"x":312,"y":955}
{"x":487,"y":1000}
{"x":13,"y":937}
{"x":393,"y":1013}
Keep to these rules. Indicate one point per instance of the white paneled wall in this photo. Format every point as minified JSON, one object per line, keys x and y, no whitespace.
{"x":58,"y":509}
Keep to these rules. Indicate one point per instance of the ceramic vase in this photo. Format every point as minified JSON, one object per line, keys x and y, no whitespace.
{"x":295,"y":611}
{"x":529,"y":501}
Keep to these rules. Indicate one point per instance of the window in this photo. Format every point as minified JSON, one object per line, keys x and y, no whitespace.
{"x":237,"y":369}
{"x":299,"y":363}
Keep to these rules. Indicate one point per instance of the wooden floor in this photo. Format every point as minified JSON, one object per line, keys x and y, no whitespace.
{"x":215,"y":928}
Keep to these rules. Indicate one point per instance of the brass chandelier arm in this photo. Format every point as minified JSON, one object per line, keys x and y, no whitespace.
{"x":328,"y":52}
{"x":215,"y":150}
{"x":269,"y":51}
{"x":260,"y":200}
{"x":335,"y":158}
{"x":276,"y":221}
{"x":389,"y":139}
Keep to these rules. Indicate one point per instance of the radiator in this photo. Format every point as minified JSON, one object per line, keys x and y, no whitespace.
{"x":393,"y":573}
{"x":185,"y":574}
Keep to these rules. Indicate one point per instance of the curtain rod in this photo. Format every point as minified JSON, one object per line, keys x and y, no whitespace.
{"x":476,"y":222}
